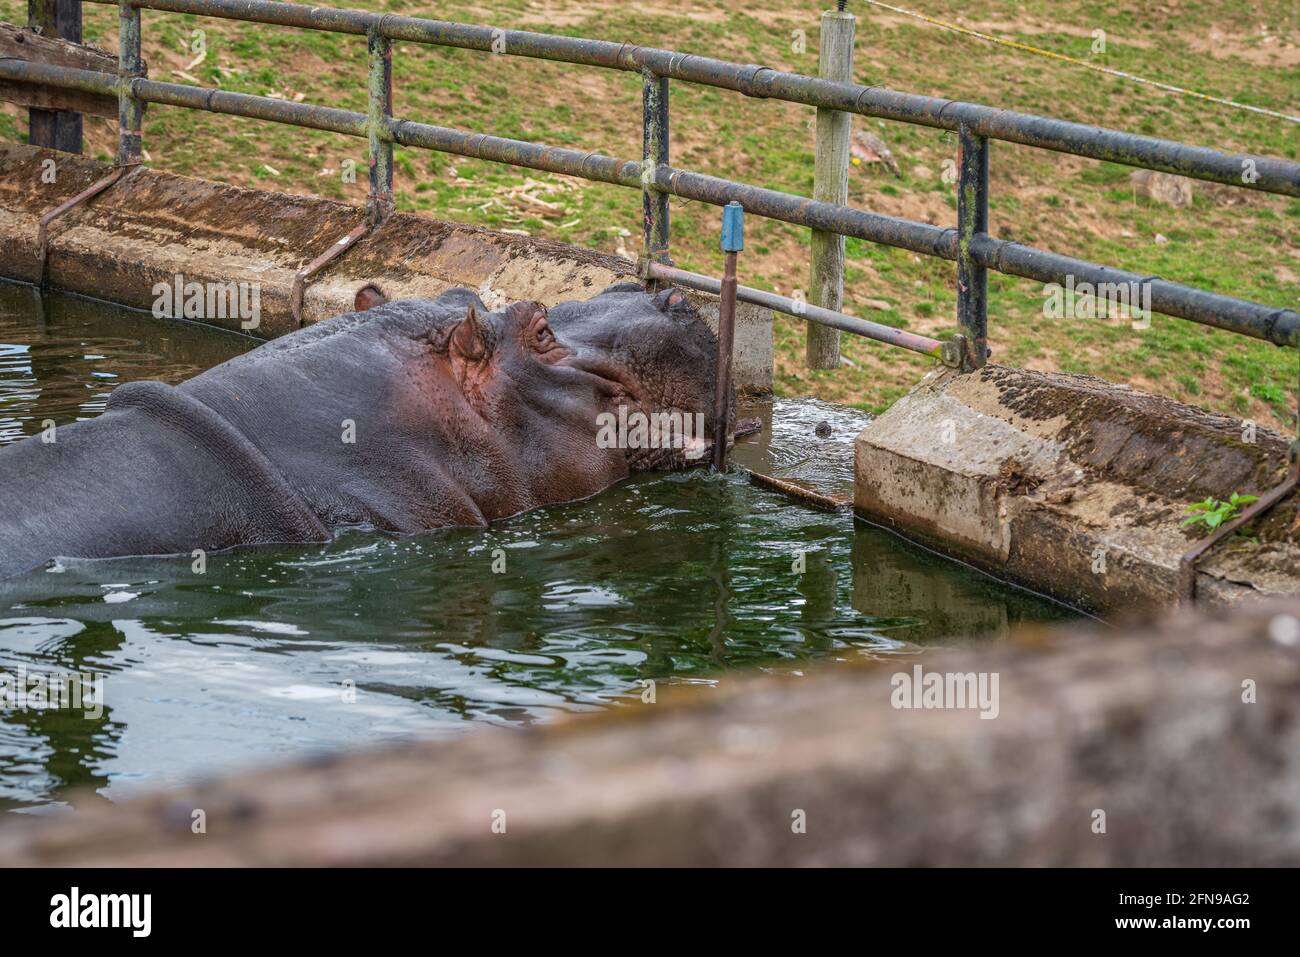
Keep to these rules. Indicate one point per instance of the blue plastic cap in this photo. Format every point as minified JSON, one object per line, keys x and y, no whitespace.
{"x":733,"y":227}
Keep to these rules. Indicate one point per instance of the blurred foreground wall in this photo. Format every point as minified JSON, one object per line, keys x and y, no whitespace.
{"x":1177,"y":744}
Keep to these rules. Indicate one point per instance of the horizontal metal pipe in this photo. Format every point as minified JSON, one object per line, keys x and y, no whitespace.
{"x":801,"y":211}
{"x":191,"y":97}
{"x":498,"y":149}
{"x":794,"y":307}
{"x":255,"y":107}
{"x":1246,"y":170}
{"x":66,"y":78}
{"x":1280,"y":326}
{"x":265,"y":11}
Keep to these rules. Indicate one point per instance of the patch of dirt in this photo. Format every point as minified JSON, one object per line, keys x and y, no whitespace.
{"x":1033,"y":27}
{"x":1014,"y":479}
{"x":1007,"y":29}
{"x":571,"y":13}
{"x":924,"y":207}
{"x":1260,"y":47}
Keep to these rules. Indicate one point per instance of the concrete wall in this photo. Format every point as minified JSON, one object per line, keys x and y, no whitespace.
{"x":1153,"y":729}
{"x":1075,"y":487}
{"x":152,"y":226}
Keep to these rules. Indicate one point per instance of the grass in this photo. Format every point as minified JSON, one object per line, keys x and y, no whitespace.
{"x":1231,"y":241}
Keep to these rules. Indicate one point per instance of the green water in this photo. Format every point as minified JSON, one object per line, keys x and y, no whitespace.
{"x":277,"y":653}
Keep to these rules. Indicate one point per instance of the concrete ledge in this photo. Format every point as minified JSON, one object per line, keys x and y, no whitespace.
{"x":1073,"y":486}
{"x":152,"y":226}
{"x":1150,"y":728}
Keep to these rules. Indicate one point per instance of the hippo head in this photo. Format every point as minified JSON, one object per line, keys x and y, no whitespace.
{"x":653,"y":360}
{"x":623,"y":380}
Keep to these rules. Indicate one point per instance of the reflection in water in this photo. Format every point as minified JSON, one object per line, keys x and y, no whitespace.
{"x":678,"y":578}
{"x":60,"y":357}
{"x":900,"y":581}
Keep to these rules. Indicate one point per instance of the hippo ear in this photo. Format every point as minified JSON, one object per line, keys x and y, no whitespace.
{"x":469,"y":341}
{"x":369,"y":296}
{"x":621,"y":287}
{"x":669,"y":299}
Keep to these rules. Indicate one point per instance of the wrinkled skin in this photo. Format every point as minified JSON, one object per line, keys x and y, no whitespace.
{"x":460,"y":416}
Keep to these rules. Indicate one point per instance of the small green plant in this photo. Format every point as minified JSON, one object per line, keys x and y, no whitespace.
{"x":1269,"y":392}
{"x":1212,"y":512}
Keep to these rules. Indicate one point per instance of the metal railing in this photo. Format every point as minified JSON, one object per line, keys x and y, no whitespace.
{"x":968,"y":244}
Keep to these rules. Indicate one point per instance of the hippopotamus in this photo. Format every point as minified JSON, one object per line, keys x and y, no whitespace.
{"x":408,"y":416}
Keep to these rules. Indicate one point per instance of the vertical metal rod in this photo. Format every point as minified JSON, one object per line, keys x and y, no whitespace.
{"x":831,"y":185}
{"x":55,"y":129}
{"x":654,"y":153}
{"x":130,"y":110}
{"x":379,"y":115}
{"x":726,"y":344}
{"x":732,"y":242}
{"x":972,"y":220}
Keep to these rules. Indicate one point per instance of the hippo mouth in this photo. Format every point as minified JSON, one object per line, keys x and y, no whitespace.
{"x":621,"y":389}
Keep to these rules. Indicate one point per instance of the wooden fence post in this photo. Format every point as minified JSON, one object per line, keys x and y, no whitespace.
{"x":55,"y":130}
{"x":831,"y":185}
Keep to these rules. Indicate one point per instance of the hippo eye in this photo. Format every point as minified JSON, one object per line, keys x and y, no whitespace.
{"x":543,"y":334}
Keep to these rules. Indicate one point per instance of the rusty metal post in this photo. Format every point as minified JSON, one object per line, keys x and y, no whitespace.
{"x":55,"y":129}
{"x":830,"y":185}
{"x":654,"y":153}
{"x":378,"y":125}
{"x":43,"y":224}
{"x":130,"y":109}
{"x":733,"y":241}
{"x":379,"y":135}
{"x":972,"y":221}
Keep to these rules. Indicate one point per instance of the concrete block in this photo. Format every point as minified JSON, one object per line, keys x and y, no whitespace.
{"x":1074,"y":487}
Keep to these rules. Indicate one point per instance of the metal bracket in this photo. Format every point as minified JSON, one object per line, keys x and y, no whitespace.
{"x":1187,"y":564}
{"x":953,"y":352}
{"x":374,"y":219}
{"x":43,"y":226}
{"x":645,"y":271}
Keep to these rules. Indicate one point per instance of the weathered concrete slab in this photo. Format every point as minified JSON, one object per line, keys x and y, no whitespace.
{"x":1074,"y":487}
{"x":1174,"y":745}
{"x":153,"y":226}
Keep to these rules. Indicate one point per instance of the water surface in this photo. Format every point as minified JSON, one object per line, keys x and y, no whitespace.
{"x":274,"y":653}
{"x":60,"y":356}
